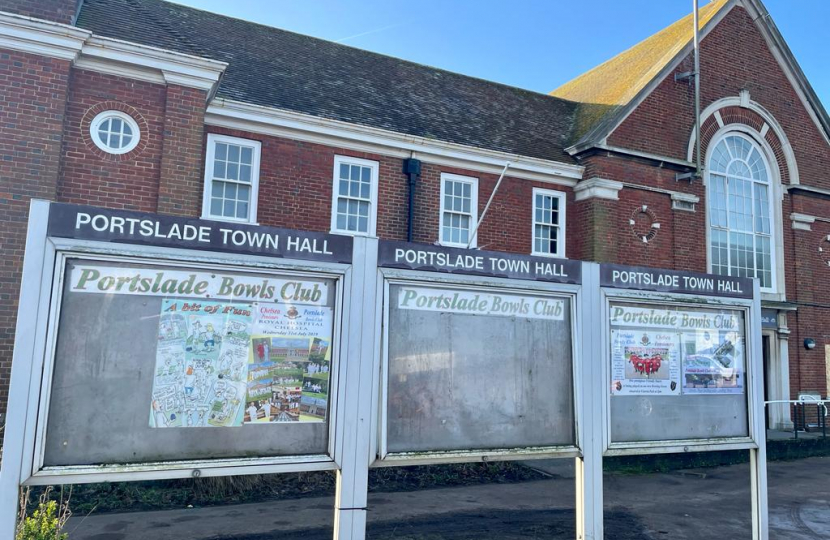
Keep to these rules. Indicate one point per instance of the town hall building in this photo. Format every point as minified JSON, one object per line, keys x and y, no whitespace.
{"x":152,"y":106}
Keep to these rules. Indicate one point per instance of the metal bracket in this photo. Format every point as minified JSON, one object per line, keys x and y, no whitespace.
{"x":686,"y":75}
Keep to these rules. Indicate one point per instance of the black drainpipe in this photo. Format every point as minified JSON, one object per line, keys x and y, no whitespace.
{"x":411,"y":168}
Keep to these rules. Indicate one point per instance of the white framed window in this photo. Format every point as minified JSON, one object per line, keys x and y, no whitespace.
{"x":354,"y":196}
{"x":459,"y":210}
{"x":114,"y":132}
{"x":741,"y":233}
{"x":548,"y":223}
{"x":231,"y":179}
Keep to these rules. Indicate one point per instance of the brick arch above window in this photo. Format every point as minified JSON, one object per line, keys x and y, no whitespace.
{"x":103,"y":106}
{"x":743,"y":114}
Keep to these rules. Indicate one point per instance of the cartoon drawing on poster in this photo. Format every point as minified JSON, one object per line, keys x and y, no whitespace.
{"x":713,"y":362}
{"x":201,"y":364}
{"x":276,"y":369}
{"x":644,"y":362}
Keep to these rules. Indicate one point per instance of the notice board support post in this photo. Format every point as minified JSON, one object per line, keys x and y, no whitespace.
{"x":758,"y":456}
{"x":355,"y":437}
{"x":28,"y":352}
{"x":590,"y":422}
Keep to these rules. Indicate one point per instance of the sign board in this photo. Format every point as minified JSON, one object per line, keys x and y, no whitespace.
{"x":139,"y":228}
{"x":673,"y":281}
{"x":678,"y":367}
{"x":150,"y":358}
{"x":449,"y":260}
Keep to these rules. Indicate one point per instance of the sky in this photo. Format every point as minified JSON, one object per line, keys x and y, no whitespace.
{"x":532,"y":44}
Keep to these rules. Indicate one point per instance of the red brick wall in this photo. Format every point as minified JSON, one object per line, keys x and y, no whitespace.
{"x":295,"y":190}
{"x":180,"y":189}
{"x":90,"y":175}
{"x":32,"y":105}
{"x":733,"y":57}
{"x":679,"y":243}
{"x":62,"y":11}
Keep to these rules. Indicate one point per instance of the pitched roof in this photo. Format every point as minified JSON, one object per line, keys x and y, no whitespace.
{"x":284,"y":70}
{"x":613,"y":84}
{"x":609,"y":91}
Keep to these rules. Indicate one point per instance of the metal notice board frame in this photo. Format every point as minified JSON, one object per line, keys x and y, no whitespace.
{"x":364,"y":269}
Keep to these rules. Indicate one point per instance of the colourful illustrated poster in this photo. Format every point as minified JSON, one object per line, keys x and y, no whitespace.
{"x":201,"y":364}
{"x":713,"y":362}
{"x":298,"y":321}
{"x":644,"y":363}
{"x":277,"y":367}
{"x":290,"y":359}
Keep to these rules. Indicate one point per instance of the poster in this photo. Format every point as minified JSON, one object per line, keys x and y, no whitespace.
{"x":644,"y":362}
{"x":713,"y":362}
{"x":201,"y":364}
{"x":704,"y":348}
{"x":289,"y":366}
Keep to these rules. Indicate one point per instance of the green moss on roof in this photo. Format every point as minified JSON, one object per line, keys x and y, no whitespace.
{"x":614,"y":83}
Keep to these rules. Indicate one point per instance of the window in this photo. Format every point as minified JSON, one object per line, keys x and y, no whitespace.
{"x":231,"y":179}
{"x":114,"y":132}
{"x":740,"y":232}
{"x":548,"y":223}
{"x":354,"y":196}
{"x":459,"y":209}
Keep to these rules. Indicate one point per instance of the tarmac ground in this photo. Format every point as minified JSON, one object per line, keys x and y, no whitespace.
{"x":684,"y":505}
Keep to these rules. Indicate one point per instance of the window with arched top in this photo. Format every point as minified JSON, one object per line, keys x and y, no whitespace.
{"x":739,"y":194}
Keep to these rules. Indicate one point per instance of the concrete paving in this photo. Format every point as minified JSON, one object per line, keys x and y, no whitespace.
{"x":684,"y":505}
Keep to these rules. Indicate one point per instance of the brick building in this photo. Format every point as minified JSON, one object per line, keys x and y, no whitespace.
{"x":152,"y":106}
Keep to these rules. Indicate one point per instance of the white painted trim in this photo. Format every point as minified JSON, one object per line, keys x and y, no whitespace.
{"x":212,"y":139}
{"x":124,"y":117}
{"x":802,"y":222}
{"x":561,"y":226}
{"x":473,"y":208}
{"x":769,"y":119}
{"x":598,"y":188}
{"x":41,"y":37}
{"x":373,"y":195}
{"x":304,"y":127}
{"x":107,"y":55}
{"x":126,"y":59}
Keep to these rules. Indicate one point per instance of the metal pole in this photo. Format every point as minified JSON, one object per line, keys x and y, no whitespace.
{"x":697,"y":88}
{"x":490,"y":200}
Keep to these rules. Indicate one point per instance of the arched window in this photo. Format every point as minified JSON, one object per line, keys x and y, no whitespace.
{"x":739,"y":193}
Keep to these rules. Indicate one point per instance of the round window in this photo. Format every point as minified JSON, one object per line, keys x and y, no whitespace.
{"x":114,"y":132}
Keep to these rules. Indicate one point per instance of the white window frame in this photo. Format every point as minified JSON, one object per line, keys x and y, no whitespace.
{"x":100,"y":118}
{"x":774,"y":191}
{"x":373,"y":194}
{"x":560,"y":239}
{"x":212,"y":139}
{"x":473,"y":208}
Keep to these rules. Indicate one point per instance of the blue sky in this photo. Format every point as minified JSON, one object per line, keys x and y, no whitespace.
{"x":533,"y":44}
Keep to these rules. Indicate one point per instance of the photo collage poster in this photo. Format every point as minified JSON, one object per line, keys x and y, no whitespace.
{"x":289,"y":367}
{"x":671,"y":352}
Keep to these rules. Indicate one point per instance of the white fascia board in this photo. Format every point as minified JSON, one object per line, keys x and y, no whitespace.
{"x":293,"y":125}
{"x":36,"y":36}
{"x":149,"y":63}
